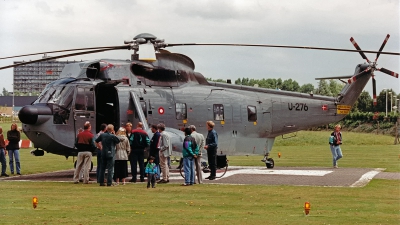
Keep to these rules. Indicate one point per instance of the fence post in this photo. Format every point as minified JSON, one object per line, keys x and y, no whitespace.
{"x":396,"y":136}
{"x":377,"y":130}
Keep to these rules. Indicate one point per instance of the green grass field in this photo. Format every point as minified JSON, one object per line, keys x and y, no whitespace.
{"x":67,"y":203}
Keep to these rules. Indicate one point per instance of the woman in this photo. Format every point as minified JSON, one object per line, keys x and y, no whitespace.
{"x":13,"y":137}
{"x":121,"y":157}
{"x":335,"y":141}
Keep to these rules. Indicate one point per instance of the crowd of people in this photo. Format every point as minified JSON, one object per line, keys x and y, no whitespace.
{"x":114,"y":150}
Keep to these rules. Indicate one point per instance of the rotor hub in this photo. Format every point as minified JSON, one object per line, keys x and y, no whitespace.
{"x":145,"y":36}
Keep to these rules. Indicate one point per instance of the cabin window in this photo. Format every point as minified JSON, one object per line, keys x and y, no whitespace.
{"x":251,"y":113}
{"x":84,"y":99}
{"x":218,"y":112}
{"x":181,"y":111}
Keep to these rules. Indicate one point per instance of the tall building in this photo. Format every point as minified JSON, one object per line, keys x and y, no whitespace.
{"x":32,"y":78}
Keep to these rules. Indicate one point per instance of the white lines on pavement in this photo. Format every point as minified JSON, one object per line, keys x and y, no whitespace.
{"x":279,"y":172}
{"x":256,"y":171}
{"x":366,"y":178}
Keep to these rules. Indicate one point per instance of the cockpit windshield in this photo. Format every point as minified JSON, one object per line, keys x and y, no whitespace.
{"x":60,"y":95}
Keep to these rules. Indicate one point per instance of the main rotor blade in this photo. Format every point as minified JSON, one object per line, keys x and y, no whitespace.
{"x":358,"y":48}
{"x":64,"y":56}
{"x":278,"y":46}
{"x":391,"y":73}
{"x":382,"y":46}
{"x":338,"y":77}
{"x":66,"y":50}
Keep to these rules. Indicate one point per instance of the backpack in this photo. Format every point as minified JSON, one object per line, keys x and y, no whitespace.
{"x":331,"y":139}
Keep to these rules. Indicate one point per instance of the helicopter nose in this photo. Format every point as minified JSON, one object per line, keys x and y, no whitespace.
{"x":29,"y":114}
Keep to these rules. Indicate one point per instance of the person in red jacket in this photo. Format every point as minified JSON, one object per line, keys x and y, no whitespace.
{"x":3,"y":154}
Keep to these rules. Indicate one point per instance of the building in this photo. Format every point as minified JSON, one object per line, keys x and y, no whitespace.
{"x":6,"y":103}
{"x":32,"y":78}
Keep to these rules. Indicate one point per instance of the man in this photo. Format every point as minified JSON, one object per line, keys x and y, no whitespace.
{"x":154,"y":148}
{"x":103,"y":128}
{"x":189,"y":147}
{"x":199,"y":138}
{"x":108,"y":141}
{"x":211,"y":147}
{"x":165,"y":153}
{"x":3,"y":153}
{"x":85,"y":145}
{"x":139,"y":140}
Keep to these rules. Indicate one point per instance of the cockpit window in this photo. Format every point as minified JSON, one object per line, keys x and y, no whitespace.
{"x":251,"y":113}
{"x":218,"y":112}
{"x":181,"y":111}
{"x":60,"y":95}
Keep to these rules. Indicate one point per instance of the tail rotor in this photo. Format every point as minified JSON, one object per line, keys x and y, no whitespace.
{"x":372,"y":66}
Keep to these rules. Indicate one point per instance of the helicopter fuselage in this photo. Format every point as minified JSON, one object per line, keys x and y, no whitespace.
{"x":169,"y":91}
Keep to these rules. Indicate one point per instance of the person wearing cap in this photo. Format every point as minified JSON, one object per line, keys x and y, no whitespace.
{"x":85,"y":145}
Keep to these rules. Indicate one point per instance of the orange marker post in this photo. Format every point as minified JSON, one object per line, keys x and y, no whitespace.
{"x":279,"y":154}
{"x":35,"y":202}
{"x":307,"y":208}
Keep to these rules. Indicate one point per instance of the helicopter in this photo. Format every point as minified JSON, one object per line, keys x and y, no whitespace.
{"x":158,"y":86}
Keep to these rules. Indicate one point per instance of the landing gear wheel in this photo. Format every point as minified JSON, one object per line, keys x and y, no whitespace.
{"x":91,"y":166}
{"x":270,"y":163}
{"x":219,"y":173}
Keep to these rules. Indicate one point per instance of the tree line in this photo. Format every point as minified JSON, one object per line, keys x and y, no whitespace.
{"x":5,"y":92}
{"x":326,"y":88}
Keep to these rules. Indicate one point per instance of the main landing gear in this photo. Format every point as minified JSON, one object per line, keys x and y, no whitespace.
{"x":269,"y":162}
{"x":222,"y":167}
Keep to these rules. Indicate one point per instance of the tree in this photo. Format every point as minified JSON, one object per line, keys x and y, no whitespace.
{"x":335,"y":87}
{"x":5,"y":92}
{"x":363,"y":103}
{"x":323,"y":88}
{"x":307,"y":88}
{"x":290,"y":85}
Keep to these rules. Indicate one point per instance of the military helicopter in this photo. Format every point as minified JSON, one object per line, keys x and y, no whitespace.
{"x":158,"y":86}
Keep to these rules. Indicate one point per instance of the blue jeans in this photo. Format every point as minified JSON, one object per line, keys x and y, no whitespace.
{"x":188,"y":168}
{"x":336,"y":153}
{"x":107,"y":163}
{"x":14,"y":154}
{"x":3,"y":161}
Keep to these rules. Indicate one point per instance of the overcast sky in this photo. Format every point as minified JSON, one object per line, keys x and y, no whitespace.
{"x":29,"y":26}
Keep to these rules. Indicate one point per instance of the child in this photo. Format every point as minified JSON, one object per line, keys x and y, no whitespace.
{"x":151,"y":172}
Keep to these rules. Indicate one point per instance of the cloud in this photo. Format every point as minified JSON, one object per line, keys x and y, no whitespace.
{"x":35,"y":26}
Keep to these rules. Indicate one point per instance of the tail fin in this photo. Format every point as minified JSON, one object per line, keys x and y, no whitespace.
{"x":356,"y":84}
